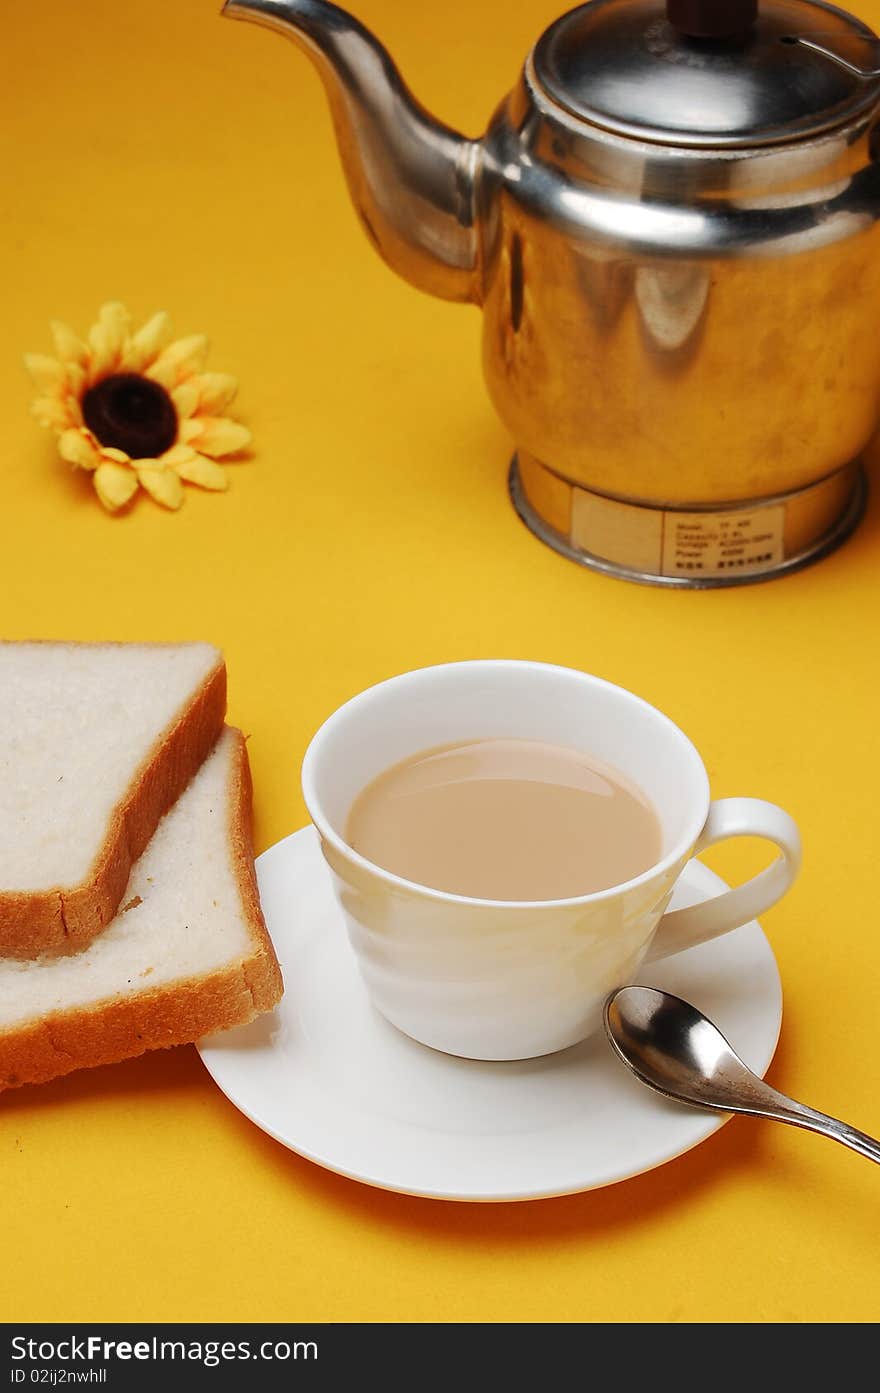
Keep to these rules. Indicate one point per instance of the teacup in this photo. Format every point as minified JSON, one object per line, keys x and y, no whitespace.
{"x":502,"y":979}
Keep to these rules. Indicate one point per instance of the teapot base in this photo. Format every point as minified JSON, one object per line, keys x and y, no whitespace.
{"x":696,"y":547}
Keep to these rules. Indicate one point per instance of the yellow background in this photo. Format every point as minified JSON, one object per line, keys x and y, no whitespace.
{"x":156,"y":154}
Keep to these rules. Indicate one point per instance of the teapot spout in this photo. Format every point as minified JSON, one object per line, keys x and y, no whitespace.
{"x":410,"y":177}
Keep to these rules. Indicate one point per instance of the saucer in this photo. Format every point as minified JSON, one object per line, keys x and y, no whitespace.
{"x":330,"y":1078}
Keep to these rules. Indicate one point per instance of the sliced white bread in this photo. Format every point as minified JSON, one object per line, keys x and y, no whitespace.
{"x":187,"y":954}
{"x":97,"y":741}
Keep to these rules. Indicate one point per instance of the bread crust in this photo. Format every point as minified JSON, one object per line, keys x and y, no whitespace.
{"x":176,"y":1013}
{"x":65,"y":920}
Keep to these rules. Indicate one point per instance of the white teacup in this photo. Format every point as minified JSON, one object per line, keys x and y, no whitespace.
{"x":498,"y":979}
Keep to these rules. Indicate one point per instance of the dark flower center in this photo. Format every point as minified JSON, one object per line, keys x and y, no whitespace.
{"x":131,"y":413}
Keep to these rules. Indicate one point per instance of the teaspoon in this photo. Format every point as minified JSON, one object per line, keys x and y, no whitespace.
{"x":673,"y":1048}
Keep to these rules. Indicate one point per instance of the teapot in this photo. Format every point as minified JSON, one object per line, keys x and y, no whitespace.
{"x":672,"y":226}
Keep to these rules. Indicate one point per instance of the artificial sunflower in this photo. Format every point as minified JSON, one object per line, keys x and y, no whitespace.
{"x":136,"y":409}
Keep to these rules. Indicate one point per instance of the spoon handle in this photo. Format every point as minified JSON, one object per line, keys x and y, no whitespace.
{"x":784,"y":1109}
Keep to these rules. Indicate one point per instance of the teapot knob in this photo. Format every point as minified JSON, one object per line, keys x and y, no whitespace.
{"x":712,"y":19}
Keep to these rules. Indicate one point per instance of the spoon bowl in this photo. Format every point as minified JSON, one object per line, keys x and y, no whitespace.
{"x":673,"y":1048}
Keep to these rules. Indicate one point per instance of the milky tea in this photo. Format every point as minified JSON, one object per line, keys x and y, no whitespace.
{"x":506,"y":820}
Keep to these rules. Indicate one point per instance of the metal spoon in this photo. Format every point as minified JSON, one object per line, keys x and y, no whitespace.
{"x":673,"y":1048}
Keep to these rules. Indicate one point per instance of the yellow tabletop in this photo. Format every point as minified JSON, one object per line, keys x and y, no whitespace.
{"x":157,"y":155}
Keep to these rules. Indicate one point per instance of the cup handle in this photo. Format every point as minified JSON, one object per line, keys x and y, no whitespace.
{"x":733,"y":817}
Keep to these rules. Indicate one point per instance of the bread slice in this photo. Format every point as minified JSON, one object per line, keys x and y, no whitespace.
{"x":187,"y":954}
{"x":97,"y":741}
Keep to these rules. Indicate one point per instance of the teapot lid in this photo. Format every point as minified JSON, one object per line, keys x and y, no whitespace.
{"x":715,"y":73}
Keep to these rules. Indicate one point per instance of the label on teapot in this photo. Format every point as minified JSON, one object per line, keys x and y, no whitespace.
{"x":691,"y":544}
{"x":718,"y":544}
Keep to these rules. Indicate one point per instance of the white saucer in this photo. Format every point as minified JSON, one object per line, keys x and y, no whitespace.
{"x":329,"y":1077}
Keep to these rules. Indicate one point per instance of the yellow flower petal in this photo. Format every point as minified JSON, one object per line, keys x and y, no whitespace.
{"x":220,"y":436}
{"x":177,"y":454}
{"x":160,"y":483}
{"x":162,"y":371}
{"x":216,"y":391}
{"x":147,"y":342}
{"x":119,"y":456}
{"x":54,"y":412}
{"x":189,"y":429}
{"x":78,"y":447}
{"x":185,"y":398}
{"x":69,"y":347}
{"x":203,"y":472}
{"x":48,"y":374}
{"x":179,"y":361}
{"x":115,"y":319}
{"x":115,"y":485}
{"x":107,"y":338}
{"x":102,"y":355}
{"x":74,"y":410}
{"x":76,"y":379}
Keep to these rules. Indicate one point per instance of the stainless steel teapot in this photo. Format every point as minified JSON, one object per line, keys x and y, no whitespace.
{"x":672,"y":225}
